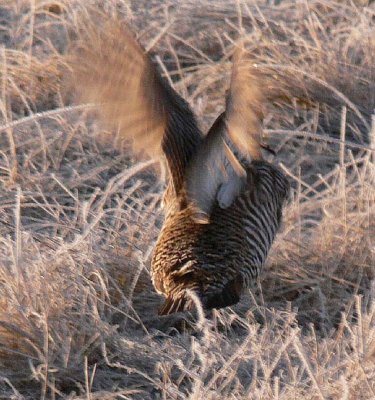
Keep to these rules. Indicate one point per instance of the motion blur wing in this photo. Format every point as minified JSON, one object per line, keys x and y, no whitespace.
{"x":244,"y":106}
{"x":110,"y":68}
{"x":217,"y":172}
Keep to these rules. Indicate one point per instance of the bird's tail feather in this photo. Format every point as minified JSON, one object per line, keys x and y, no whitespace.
{"x":173,"y":304}
{"x":184,"y":301}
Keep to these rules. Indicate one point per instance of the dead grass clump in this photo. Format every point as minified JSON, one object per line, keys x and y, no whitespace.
{"x":325,"y":255}
{"x":78,"y":218}
{"x":29,"y":84}
{"x":316,"y":54}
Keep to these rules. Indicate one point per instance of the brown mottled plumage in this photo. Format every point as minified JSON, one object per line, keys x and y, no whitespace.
{"x":223,"y":202}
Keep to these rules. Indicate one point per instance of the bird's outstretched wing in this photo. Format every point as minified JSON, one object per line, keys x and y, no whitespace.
{"x":244,"y":106}
{"x":110,"y":68}
{"x":217,"y":171}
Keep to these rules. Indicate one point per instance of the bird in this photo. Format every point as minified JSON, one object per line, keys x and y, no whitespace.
{"x":223,"y":202}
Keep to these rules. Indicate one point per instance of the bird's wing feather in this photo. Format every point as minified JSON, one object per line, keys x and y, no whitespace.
{"x":110,"y":68}
{"x":244,"y":106}
{"x":216,"y":172}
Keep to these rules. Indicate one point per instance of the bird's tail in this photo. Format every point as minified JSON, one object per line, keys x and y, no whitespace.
{"x":174,"y":303}
{"x":188,"y":300}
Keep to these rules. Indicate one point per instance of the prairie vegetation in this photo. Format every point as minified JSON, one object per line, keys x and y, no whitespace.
{"x":79,"y":217}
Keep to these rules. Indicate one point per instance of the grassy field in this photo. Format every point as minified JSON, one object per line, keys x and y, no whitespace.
{"x":79,"y":217}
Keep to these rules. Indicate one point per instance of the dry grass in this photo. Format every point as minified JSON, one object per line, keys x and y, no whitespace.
{"x":78,"y":219}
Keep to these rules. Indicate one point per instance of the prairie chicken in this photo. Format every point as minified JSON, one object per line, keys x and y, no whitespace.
{"x":223,"y":203}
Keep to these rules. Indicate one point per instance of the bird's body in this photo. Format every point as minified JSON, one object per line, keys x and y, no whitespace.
{"x":219,"y":259}
{"x":223,"y":203}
